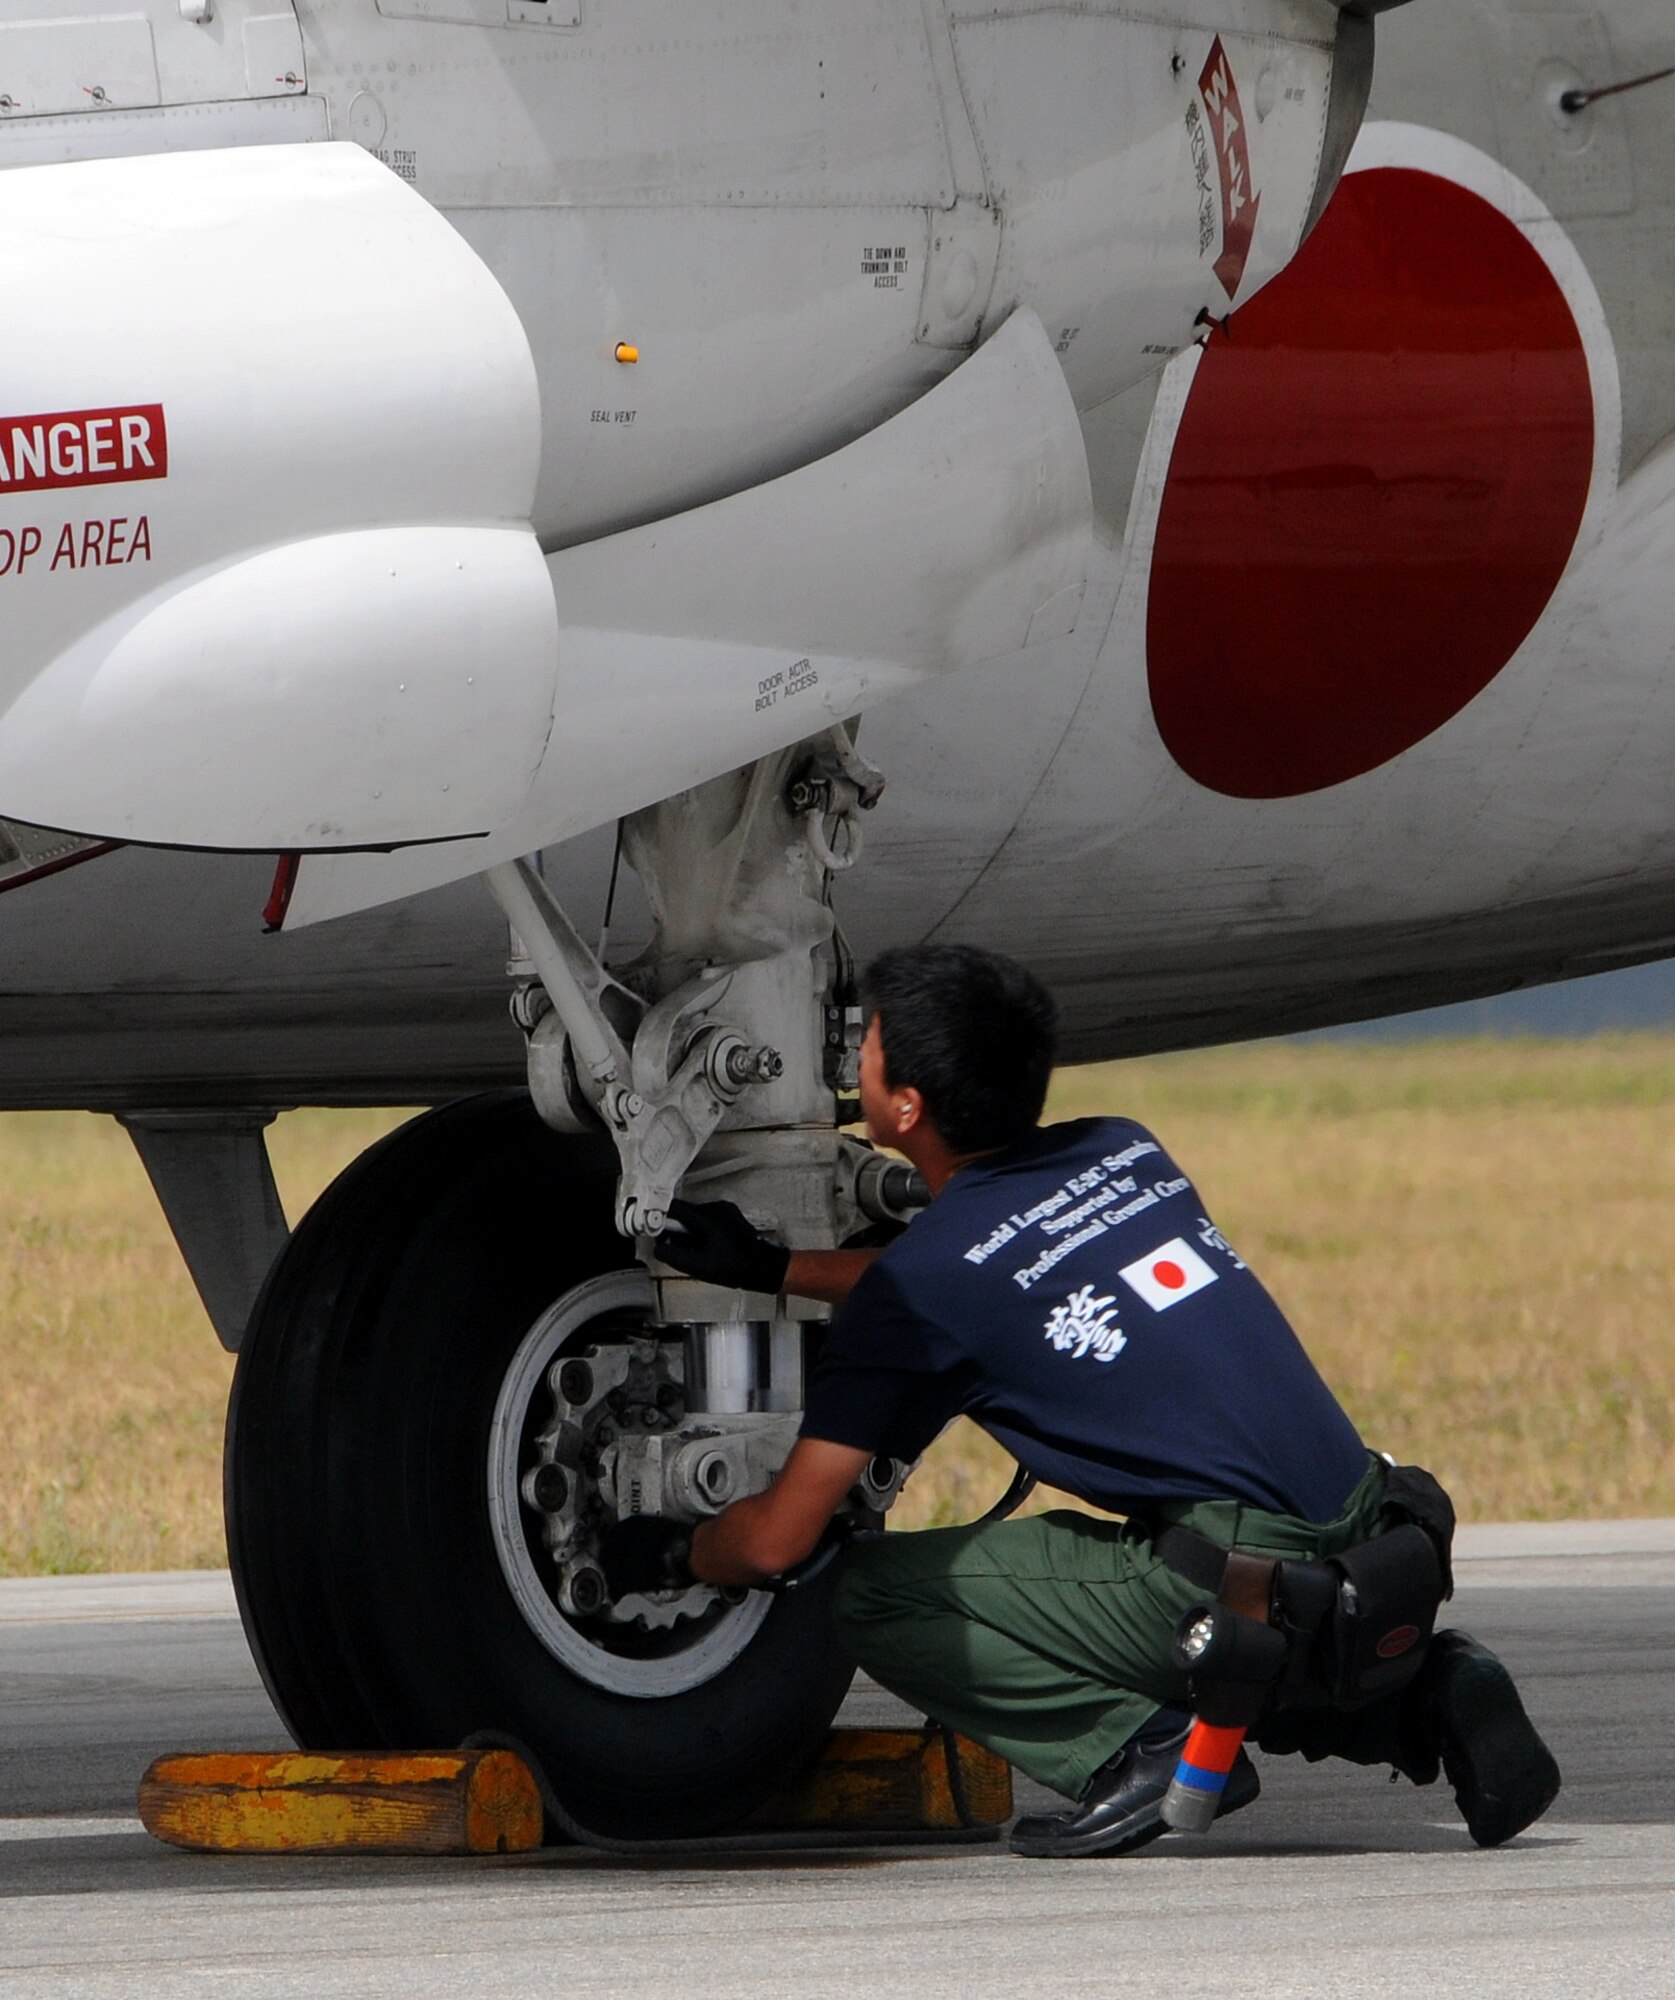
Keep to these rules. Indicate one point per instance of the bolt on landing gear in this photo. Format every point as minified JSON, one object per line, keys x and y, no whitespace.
{"x":716,"y":1064}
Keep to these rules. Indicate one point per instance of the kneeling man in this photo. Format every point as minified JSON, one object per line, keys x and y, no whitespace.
{"x":1068,"y":1291}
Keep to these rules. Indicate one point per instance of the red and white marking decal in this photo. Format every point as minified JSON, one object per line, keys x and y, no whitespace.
{"x":1239,"y":201}
{"x":1376,"y":485}
{"x":83,"y":448}
{"x":1173,"y":1271}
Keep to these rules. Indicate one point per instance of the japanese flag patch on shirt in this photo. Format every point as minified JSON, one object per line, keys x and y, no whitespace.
{"x":1172,"y":1272}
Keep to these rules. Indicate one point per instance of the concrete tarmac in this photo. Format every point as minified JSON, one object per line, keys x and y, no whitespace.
{"x":1334,"y":1884}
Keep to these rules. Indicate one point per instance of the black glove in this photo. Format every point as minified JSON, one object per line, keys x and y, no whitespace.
{"x":646,"y":1552}
{"x":716,"y":1243}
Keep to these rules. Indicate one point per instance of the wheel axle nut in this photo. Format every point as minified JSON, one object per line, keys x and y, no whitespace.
{"x":702,"y":1480}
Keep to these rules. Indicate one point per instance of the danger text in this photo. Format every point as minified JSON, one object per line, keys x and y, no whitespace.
{"x":83,"y":448}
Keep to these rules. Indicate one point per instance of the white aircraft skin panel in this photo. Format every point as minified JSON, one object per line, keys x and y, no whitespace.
{"x":821,"y":361}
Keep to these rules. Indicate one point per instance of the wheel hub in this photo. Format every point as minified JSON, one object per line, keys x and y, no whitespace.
{"x":591,"y":1426}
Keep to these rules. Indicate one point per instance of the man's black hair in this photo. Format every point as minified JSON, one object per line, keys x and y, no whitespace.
{"x":974,"y":1033}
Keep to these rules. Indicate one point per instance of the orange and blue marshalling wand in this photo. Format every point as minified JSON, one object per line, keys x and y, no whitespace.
{"x":1194,"y":1795}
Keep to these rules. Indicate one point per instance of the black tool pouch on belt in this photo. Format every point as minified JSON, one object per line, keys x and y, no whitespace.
{"x":1359,"y":1622}
{"x":1389,"y":1592}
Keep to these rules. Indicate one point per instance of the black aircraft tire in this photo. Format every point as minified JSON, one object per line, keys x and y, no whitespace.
{"x":356,"y":1491}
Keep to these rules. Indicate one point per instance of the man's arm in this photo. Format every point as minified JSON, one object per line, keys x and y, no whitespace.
{"x":715,"y":1241}
{"x":764,"y":1535}
{"x":827,"y":1274}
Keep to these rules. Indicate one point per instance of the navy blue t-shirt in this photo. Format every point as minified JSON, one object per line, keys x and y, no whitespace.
{"x":1072,"y":1296}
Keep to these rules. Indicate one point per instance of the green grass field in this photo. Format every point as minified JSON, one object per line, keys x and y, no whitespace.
{"x":1474,"y":1240}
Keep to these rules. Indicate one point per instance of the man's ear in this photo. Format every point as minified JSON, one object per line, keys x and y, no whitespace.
{"x":909,"y":1108}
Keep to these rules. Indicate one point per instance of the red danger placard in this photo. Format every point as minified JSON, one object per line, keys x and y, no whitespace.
{"x":83,"y":448}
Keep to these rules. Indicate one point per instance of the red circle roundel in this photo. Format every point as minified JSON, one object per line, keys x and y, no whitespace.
{"x":1377,"y":482}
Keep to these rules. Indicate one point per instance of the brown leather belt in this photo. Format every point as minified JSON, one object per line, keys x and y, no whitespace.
{"x":1244,"y":1583}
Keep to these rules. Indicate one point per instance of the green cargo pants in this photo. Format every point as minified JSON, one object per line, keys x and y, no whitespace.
{"x":1048,"y":1639}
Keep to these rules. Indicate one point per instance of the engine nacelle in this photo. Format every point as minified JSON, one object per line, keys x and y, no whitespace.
{"x":267,"y":459}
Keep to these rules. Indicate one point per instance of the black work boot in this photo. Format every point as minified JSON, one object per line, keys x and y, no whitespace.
{"x":1121,"y":1807}
{"x":1504,"y":1776}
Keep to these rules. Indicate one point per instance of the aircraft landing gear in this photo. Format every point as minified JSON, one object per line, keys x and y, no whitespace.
{"x":460,"y":1369}
{"x":361,"y":1444}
